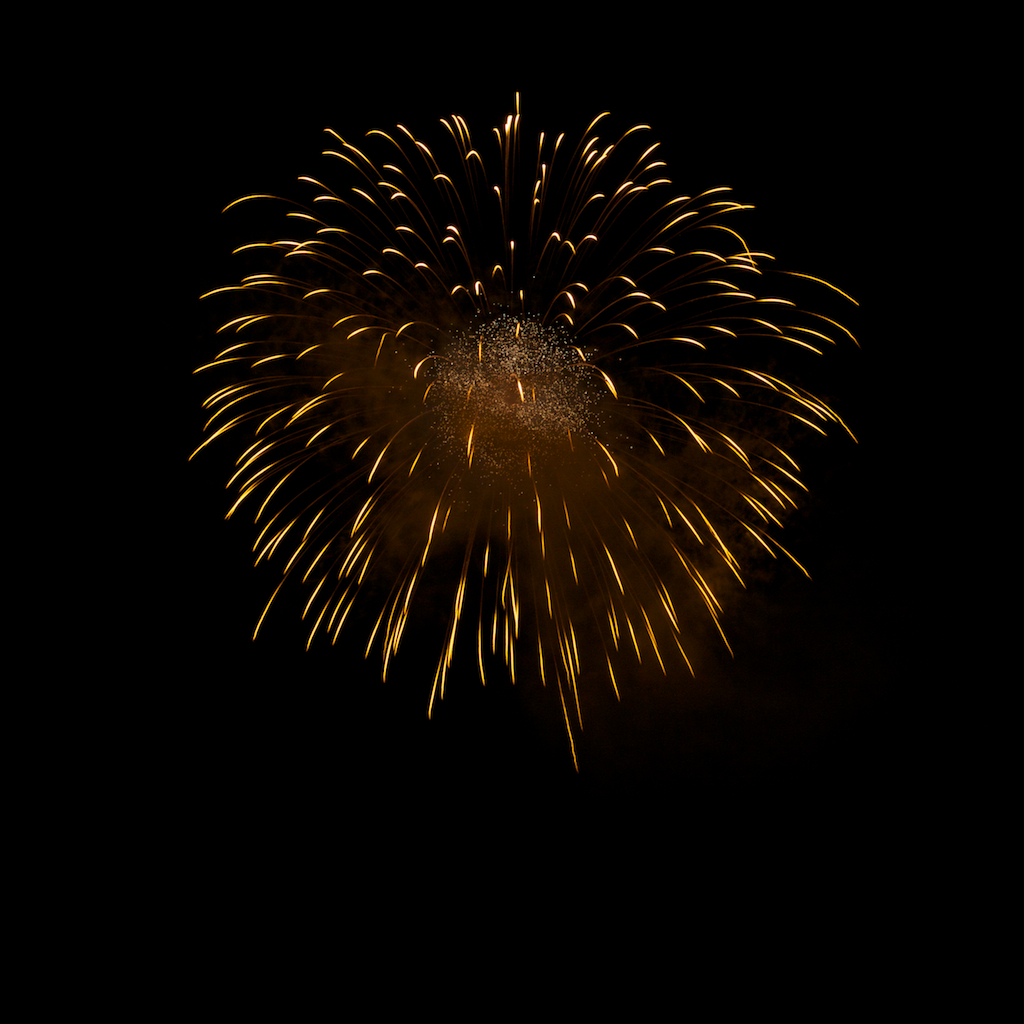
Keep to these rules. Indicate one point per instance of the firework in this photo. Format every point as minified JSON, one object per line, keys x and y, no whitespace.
{"x":525,"y":375}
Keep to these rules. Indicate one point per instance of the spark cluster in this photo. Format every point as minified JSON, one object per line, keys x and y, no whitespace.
{"x":510,"y":392}
{"x":544,"y":382}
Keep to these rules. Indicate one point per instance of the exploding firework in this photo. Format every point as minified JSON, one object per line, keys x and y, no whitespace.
{"x":532,"y":384}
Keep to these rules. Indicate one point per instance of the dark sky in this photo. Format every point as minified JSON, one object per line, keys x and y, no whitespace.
{"x":806,"y":713}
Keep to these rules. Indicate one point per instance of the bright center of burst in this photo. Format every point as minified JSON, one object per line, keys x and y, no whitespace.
{"x":511,"y":392}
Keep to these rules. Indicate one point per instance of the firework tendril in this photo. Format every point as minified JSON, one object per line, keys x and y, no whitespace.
{"x":525,"y":378}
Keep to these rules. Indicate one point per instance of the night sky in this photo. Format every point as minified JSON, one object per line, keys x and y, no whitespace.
{"x":804,"y":716}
